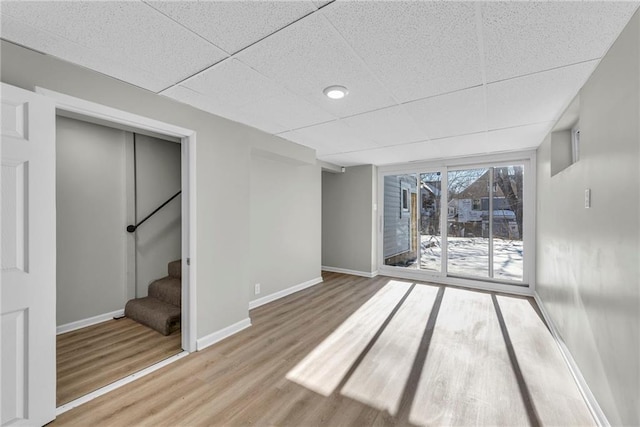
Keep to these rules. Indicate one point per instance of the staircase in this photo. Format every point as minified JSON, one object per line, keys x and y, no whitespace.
{"x":160,"y":310}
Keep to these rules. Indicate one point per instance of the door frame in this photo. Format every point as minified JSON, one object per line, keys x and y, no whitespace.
{"x":72,"y":107}
{"x":443,"y":166}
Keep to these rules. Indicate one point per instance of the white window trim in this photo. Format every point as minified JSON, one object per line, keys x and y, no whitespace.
{"x":528,"y":158}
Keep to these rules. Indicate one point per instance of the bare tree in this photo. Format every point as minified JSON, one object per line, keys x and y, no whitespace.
{"x":509,"y":179}
{"x":460,"y":180}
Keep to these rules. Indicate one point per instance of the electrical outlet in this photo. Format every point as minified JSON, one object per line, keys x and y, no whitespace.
{"x":257,"y":288}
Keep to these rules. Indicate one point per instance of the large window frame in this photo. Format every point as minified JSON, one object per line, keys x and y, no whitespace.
{"x":528,"y":160}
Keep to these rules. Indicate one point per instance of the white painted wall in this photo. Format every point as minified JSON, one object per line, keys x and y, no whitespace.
{"x":588,"y":265}
{"x":284,"y":225}
{"x":223,"y":165}
{"x":348,"y":219}
{"x":91,"y":211}
{"x":158,"y":239}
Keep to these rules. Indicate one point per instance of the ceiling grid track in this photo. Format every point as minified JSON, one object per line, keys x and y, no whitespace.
{"x":233,"y":55}
{"x":483,"y":67}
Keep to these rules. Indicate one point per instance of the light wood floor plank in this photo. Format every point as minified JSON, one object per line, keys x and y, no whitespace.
{"x":243,"y":379}
{"x":467,"y":377}
{"x":380,"y":379}
{"x":555,"y":396}
{"x":98,"y":355}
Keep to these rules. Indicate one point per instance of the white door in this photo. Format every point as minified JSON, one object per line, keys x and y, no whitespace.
{"x":28,"y":258}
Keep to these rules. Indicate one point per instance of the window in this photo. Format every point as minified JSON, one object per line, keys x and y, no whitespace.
{"x":469,"y":221}
{"x":405,"y":200}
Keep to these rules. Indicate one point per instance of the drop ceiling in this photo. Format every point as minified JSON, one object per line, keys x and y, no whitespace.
{"x":426,"y":79}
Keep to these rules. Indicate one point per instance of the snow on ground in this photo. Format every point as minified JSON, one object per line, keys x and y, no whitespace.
{"x":468,"y":256}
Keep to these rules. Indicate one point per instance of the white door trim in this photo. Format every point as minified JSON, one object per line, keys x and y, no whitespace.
{"x":101,"y":114}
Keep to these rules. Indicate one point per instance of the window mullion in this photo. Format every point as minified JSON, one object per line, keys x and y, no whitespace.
{"x":491,"y":170}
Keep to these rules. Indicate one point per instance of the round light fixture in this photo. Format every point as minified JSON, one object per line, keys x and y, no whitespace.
{"x":336,"y":92}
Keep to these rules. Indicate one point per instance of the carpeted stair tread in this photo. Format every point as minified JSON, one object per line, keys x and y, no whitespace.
{"x":156,"y":314}
{"x":175,"y":269}
{"x":167,"y":289}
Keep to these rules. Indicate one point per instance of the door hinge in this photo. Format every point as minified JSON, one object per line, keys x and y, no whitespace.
{"x":188,"y":261}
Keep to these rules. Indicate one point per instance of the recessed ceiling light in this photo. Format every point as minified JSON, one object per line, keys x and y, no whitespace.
{"x":336,"y":92}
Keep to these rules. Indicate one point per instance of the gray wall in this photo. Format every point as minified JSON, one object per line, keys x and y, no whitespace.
{"x":223,"y":165}
{"x":158,"y":241}
{"x":91,"y":213}
{"x":284,"y":224}
{"x":348,"y":219}
{"x":588,"y":259}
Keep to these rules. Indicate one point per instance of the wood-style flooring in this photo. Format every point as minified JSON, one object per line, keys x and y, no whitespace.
{"x":98,"y":355}
{"x":356,"y":352}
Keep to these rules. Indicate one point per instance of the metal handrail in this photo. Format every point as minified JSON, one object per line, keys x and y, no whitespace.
{"x":132,"y":228}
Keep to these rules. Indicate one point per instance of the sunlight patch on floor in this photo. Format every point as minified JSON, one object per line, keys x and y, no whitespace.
{"x":467,"y":377}
{"x":380,"y":379}
{"x":325,"y":367}
{"x":554,"y":393}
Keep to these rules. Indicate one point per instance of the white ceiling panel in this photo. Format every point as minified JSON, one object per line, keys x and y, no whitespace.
{"x":517,"y":138}
{"x":308,"y":56}
{"x":453,"y":114}
{"x":534,"y":98}
{"x":504,"y":140}
{"x":234,"y":25}
{"x":423,"y":150}
{"x":287,"y":111}
{"x":329,"y":138}
{"x":526,"y":37}
{"x":231,"y":85}
{"x":417,"y":49}
{"x":124,"y":32}
{"x":231,"y":82}
{"x":387,"y":126}
{"x":275,"y":114}
{"x":13,"y":30}
{"x":231,"y":112}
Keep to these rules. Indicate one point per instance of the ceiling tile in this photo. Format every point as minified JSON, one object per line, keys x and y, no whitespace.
{"x":308,"y":56}
{"x":230,"y":82}
{"x":456,"y":113}
{"x":517,"y":138}
{"x":534,"y":98}
{"x":273,"y":115}
{"x":417,"y":49}
{"x":231,"y":112}
{"x":504,"y":140}
{"x":25,"y":35}
{"x":235,"y":90}
{"x":321,"y":3}
{"x":234,"y":25}
{"x":526,"y":37}
{"x":386,"y":155}
{"x":328,"y":138}
{"x":288,"y":111}
{"x":387,"y":126}
{"x":124,"y":32}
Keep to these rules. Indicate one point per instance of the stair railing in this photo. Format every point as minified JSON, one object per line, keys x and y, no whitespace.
{"x":132,"y":228}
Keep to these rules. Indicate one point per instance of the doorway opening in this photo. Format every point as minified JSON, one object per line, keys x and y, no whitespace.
{"x":108,"y":181}
{"x":177,"y":217}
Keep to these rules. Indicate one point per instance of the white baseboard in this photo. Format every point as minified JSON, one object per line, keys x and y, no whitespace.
{"x":68,"y":327}
{"x":283,"y":293}
{"x":352,"y":272}
{"x":218,"y":336}
{"x":590,"y":399}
